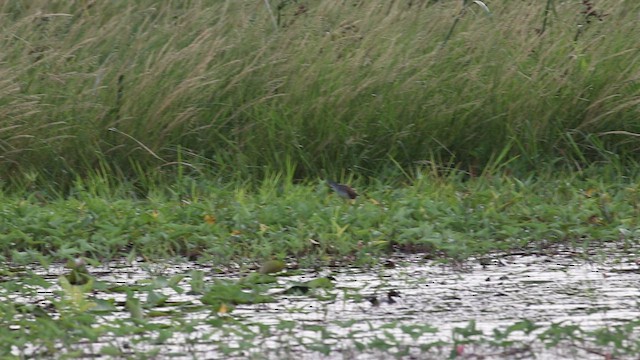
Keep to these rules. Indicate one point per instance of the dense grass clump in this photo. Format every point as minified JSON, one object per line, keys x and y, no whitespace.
{"x":313,"y":87}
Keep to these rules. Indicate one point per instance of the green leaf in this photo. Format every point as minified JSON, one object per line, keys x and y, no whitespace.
{"x":272,"y":266}
{"x":134,"y":307}
{"x":226,"y":293}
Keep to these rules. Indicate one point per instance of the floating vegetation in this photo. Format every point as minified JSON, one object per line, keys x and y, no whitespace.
{"x":569,"y":303}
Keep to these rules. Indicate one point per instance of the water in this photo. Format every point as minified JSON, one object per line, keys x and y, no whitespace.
{"x":589,"y":290}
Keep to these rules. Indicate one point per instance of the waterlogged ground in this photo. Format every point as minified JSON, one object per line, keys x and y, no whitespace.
{"x":565,"y":304}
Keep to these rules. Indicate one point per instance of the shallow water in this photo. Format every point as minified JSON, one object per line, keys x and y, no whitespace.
{"x":589,"y":290}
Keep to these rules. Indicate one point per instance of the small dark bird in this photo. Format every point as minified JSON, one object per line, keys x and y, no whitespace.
{"x":390,"y":298}
{"x":344,"y":191}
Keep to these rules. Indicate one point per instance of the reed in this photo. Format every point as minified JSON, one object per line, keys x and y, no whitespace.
{"x":335,"y":87}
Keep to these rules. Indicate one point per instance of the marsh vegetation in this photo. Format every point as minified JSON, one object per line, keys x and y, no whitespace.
{"x":174,"y":155}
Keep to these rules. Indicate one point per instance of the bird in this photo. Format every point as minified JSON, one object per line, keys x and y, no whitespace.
{"x":375,"y":302}
{"x":344,"y":191}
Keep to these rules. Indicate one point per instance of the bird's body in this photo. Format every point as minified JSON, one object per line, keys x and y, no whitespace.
{"x":344,"y":191}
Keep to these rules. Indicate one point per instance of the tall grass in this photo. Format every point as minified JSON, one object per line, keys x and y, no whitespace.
{"x":335,"y":87}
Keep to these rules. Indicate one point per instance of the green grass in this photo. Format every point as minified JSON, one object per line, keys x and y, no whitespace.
{"x":445,"y":217}
{"x":336,"y":88}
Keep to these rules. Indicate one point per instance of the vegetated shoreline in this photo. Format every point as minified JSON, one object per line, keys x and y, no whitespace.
{"x":206,"y":131}
{"x":451,"y":218}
